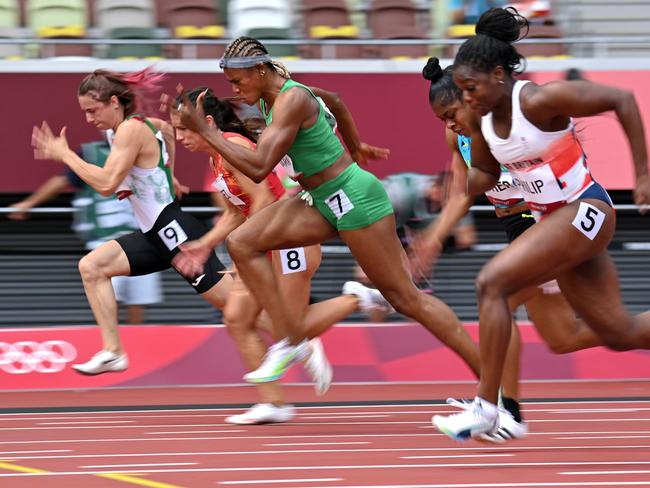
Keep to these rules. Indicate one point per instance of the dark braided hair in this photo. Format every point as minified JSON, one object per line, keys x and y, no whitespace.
{"x":496,"y":30}
{"x":443,"y":90}
{"x":221,"y":111}
{"x":247,"y":46}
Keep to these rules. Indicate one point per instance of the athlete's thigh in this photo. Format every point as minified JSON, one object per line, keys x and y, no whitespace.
{"x":592,"y":290}
{"x":284,"y":224}
{"x":110,"y":258}
{"x":379,"y":252}
{"x":551,"y":247}
{"x":143,"y":257}
{"x":552,"y":315}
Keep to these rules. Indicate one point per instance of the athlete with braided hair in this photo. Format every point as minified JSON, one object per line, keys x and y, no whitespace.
{"x":140,"y":168}
{"x":340,"y":198}
{"x":529,"y":129}
{"x":294,"y":268}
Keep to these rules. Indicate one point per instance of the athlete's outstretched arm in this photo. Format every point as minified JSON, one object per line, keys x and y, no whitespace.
{"x":582,"y":99}
{"x":106,"y":179}
{"x":428,"y":246}
{"x":290,"y":110}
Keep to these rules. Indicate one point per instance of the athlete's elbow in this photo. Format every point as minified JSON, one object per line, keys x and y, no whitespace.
{"x":258,"y":174}
{"x":625,"y":102}
{"x":107,"y":189}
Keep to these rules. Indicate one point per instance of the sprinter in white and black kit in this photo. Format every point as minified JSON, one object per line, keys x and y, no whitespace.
{"x":529,"y":129}
{"x":140,"y":168}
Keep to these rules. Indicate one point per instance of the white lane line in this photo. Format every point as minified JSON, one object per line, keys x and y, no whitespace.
{"x":190,"y":413}
{"x":323,"y":417}
{"x":587,"y":420}
{"x":120,"y":415}
{"x":238,"y":438}
{"x":570,"y":406}
{"x":142,"y":426}
{"x":331,"y":468}
{"x":90,"y":422}
{"x":100,"y":466}
{"x":192,"y":432}
{"x":578,"y":438}
{"x":35,"y":452}
{"x":454,"y":456}
{"x":565,"y":432}
{"x":496,"y":485}
{"x":314,"y":444}
{"x":479,"y":450}
{"x":640,"y":471}
{"x":594,"y":410}
{"x":259,"y":482}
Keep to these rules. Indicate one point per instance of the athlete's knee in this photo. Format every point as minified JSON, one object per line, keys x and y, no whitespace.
{"x":89,"y":269}
{"x":618,"y":342}
{"x":234,"y":326}
{"x":237,"y":244}
{"x":487,"y":284}
{"x":560,"y":346}
{"x":404,"y":300}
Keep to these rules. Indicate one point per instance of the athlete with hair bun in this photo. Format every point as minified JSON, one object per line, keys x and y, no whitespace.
{"x":528,"y":129}
{"x":547,"y":308}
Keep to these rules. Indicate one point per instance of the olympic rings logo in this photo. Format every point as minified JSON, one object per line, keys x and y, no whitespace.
{"x":41,"y":357}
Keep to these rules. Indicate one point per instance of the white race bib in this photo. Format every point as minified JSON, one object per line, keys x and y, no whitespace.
{"x":293,"y":260}
{"x":222,"y":187}
{"x":588,"y":220}
{"x":339,"y":203}
{"x":172,"y":235}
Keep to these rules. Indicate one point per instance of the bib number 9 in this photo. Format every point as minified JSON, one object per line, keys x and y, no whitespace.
{"x":172,"y":235}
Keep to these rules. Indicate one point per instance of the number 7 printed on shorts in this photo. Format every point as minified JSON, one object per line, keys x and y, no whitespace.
{"x":339,"y":203}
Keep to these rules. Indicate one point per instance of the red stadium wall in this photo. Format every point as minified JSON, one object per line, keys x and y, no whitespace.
{"x":41,"y":358}
{"x":390,"y":109}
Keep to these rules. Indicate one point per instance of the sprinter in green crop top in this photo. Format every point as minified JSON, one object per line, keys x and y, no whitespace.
{"x":339,"y":198}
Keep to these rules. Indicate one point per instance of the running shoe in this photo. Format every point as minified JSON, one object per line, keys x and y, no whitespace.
{"x":370,"y":299}
{"x":278,"y":359}
{"x":103,"y":362}
{"x":318,"y":367}
{"x":263,"y":413}
{"x":509,"y":429}
{"x":477,"y":418}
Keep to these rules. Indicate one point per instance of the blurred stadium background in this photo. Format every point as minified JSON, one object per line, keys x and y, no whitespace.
{"x":369,"y":51}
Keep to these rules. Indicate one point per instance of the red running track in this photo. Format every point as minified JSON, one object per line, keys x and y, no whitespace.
{"x":583,"y":435}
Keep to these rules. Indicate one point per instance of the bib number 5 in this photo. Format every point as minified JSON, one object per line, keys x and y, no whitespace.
{"x":588,"y":220}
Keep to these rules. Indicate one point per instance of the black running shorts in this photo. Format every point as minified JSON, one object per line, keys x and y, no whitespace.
{"x":517,"y":224}
{"x":154,"y":250}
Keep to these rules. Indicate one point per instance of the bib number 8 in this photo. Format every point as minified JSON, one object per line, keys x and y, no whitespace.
{"x":293,"y":260}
